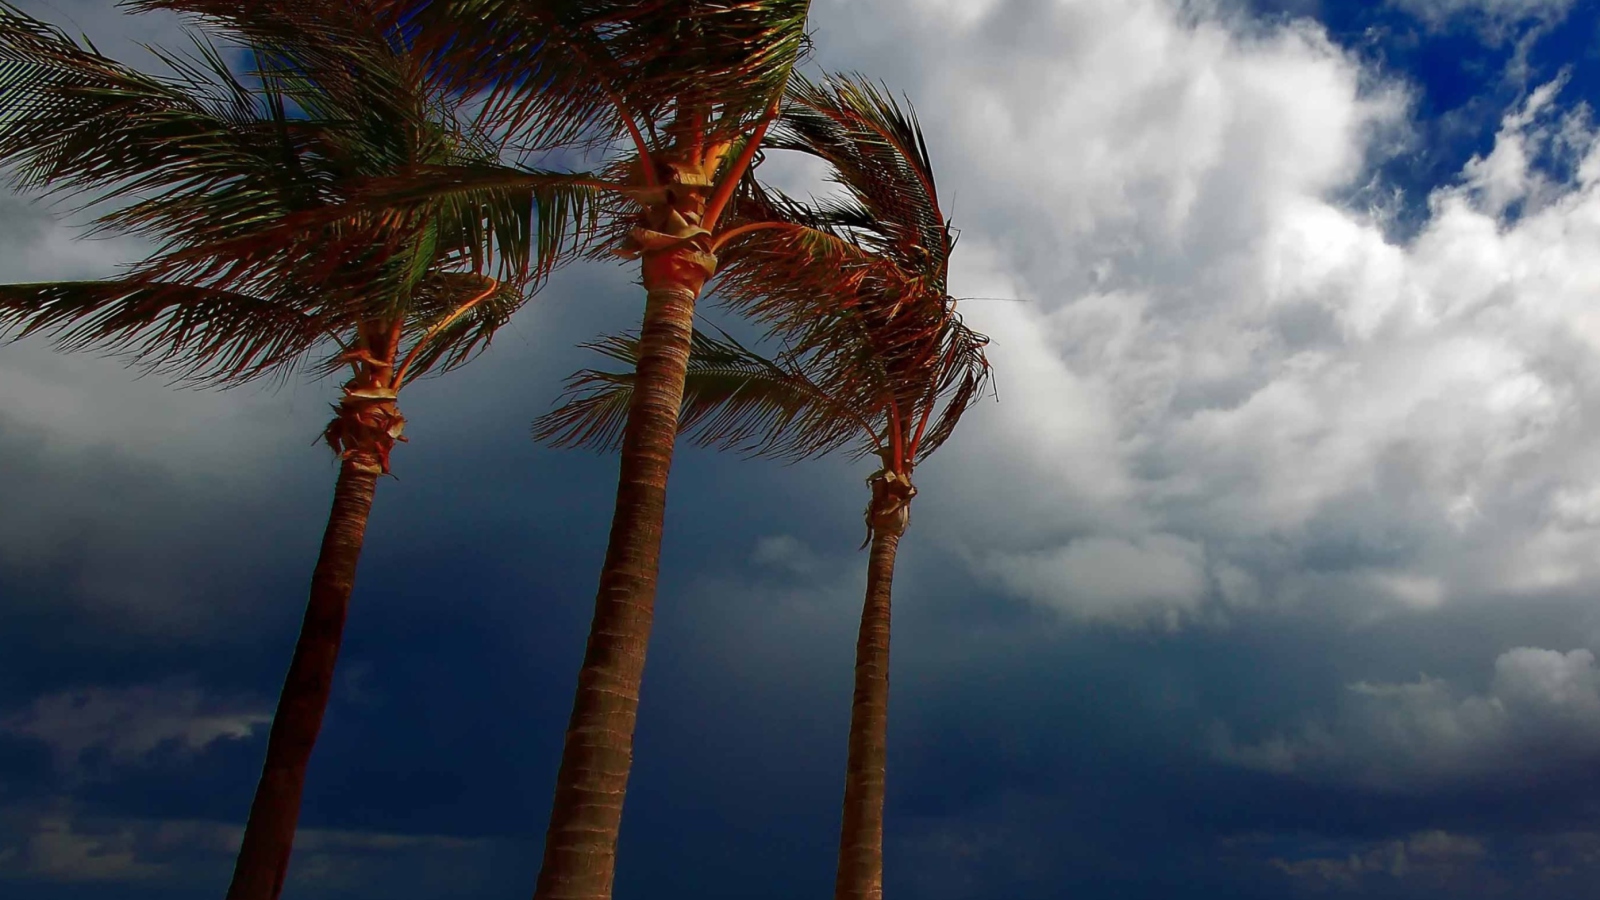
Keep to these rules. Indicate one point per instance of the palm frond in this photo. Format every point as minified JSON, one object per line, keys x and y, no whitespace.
{"x":858,"y":288}
{"x":565,"y":70}
{"x":878,"y":154}
{"x":272,"y":185}
{"x":960,"y":380}
{"x":72,"y":119}
{"x":198,"y":335}
{"x":733,"y":399}
{"x":455,"y":317}
{"x":537,"y":219}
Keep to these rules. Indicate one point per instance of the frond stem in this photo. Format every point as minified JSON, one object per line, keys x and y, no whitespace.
{"x":732,"y":233}
{"x":916,"y":440}
{"x":896,"y":440}
{"x":645,"y":162}
{"x":730,"y":181}
{"x":400,"y":375}
{"x":900,"y":148}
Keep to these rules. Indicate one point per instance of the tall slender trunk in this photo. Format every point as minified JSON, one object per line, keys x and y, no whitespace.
{"x":269,"y":833}
{"x":861,"y":837}
{"x":581,"y":844}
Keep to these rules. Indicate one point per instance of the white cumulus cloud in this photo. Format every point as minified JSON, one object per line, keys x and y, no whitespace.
{"x":1216,"y":344}
{"x":129,"y":724}
{"x":1541,"y":710}
{"x":1109,"y":578}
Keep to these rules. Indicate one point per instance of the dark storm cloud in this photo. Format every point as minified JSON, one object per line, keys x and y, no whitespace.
{"x":1250,"y":451}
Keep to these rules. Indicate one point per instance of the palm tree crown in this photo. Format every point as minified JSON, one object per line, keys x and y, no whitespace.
{"x":876,"y":359}
{"x":689,"y":89}
{"x":258,"y":263}
{"x":262,"y":260}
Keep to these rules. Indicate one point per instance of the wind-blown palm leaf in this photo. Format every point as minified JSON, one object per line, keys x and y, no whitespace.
{"x":736,"y":399}
{"x":567,"y":69}
{"x":258,"y":191}
{"x":224,"y":337}
{"x":456,"y":321}
{"x":247,"y":188}
{"x":858,"y":287}
{"x":878,"y":154}
{"x":962,"y":376}
{"x":547,"y":217}
{"x":733,"y":399}
{"x":73,"y":120}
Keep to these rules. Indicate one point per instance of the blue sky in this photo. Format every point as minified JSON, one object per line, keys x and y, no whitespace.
{"x":1272,"y":572}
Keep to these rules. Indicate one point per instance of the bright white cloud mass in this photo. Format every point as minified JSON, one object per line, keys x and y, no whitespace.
{"x":1219,"y":352}
{"x":1249,"y":388}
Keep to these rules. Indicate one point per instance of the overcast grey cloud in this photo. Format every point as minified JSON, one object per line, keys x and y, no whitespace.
{"x":129,"y":724}
{"x":1541,"y":710}
{"x":61,"y":846}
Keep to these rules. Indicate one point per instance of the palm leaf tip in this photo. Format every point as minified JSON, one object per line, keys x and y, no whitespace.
{"x":199,"y":335}
{"x":734,"y":398}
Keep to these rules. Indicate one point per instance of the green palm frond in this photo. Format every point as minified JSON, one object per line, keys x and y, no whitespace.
{"x":959,"y":380}
{"x":195,"y":334}
{"x":539,"y":219}
{"x":733,"y":399}
{"x":74,"y":120}
{"x":857,"y":287}
{"x":878,"y":154}
{"x":302,"y":182}
{"x":449,"y":333}
{"x":563,"y":70}
{"x":883,"y":249}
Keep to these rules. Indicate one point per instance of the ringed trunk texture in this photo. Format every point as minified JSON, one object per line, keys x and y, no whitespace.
{"x":581,"y":844}
{"x":269,"y":833}
{"x":861,"y":837}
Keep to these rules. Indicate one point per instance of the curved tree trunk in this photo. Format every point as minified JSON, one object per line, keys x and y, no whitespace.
{"x":269,"y":833}
{"x":581,"y":843}
{"x":861,"y":837}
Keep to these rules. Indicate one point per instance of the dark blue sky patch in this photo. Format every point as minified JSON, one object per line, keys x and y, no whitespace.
{"x":1466,"y":75}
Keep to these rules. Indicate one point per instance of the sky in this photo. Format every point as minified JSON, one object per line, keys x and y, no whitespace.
{"x":1270,"y":572}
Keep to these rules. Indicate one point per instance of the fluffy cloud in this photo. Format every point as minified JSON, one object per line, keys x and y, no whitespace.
{"x":1219,"y":347}
{"x":56,"y":851}
{"x":1432,"y":855}
{"x":1541,"y":712}
{"x":60,"y":845}
{"x":1110,"y":579}
{"x":1496,"y":13}
{"x":128,"y":725}
{"x":1215,"y":348}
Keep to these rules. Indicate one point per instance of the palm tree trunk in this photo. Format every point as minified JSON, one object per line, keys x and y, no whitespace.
{"x":861,"y":837}
{"x":586,"y":817}
{"x":269,"y":833}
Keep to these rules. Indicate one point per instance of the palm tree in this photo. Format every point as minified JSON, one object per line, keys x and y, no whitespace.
{"x":878,"y":361}
{"x":253,"y":274}
{"x":690,"y":88}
